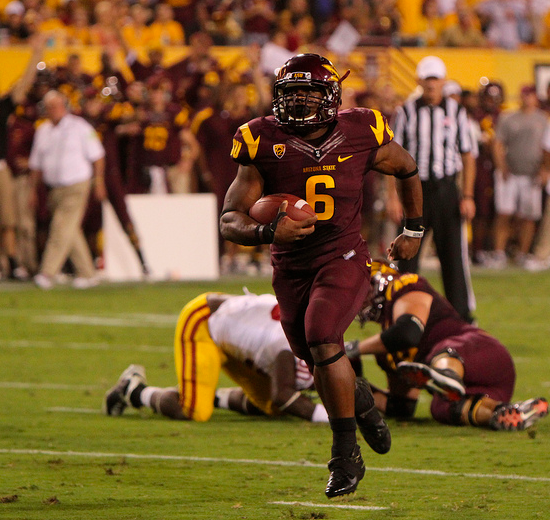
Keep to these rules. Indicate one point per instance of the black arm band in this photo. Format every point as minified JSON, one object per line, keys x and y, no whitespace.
{"x":414,"y":224}
{"x":404,"y":334}
{"x":407,"y":175}
{"x":264,"y":234}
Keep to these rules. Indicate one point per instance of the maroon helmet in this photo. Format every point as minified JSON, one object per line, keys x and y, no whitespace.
{"x":307,"y":91}
{"x":491,"y":96}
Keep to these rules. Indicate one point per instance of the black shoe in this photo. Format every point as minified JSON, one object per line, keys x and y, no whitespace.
{"x":444,"y":382}
{"x":519,"y":416}
{"x":345,"y":474}
{"x":371,"y":424}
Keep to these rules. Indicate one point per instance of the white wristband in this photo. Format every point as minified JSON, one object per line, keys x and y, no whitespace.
{"x":413,"y":234}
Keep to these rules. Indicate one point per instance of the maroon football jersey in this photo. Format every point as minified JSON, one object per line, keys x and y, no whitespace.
{"x":442,"y":323}
{"x":160,"y":143}
{"x":20,"y":138}
{"x":329,"y":176}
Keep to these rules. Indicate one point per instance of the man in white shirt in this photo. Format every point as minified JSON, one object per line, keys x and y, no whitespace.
{"x":67,"y":156}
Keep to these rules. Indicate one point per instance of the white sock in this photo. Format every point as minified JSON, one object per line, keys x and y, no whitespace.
{"x":319,"y":414}
{"x":146,"y":395}
{"x":223,"y":397}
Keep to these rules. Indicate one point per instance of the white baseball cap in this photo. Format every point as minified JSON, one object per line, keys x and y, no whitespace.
{"x":15,"y":7}
{"x":452,"y":87}
{"x":431,"y":67}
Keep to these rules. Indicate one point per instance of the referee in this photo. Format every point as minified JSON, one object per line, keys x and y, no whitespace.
{"x":435,"y":130}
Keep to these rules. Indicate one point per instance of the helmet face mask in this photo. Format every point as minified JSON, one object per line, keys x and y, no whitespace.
{"x":307,"y":92}
{"x":382,"y":273}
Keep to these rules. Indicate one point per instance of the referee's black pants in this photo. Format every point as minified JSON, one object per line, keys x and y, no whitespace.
{"x":441,"y":208}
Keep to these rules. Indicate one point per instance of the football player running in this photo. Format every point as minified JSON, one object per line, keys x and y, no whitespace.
{"x":424,"y":343}
{"x":322,"y":264}
{"x":240,"y":335}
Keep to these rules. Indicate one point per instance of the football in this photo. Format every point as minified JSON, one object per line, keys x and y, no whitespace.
{"x":265,"y":209}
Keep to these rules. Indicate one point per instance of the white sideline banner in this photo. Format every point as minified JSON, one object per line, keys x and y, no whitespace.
{"x":178,"y":235}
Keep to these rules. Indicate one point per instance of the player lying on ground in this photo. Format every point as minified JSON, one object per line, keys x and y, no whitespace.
{"x":425,"y":344}
{"x":241,"y":335}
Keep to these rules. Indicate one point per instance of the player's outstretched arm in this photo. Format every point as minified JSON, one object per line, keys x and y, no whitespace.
{"x":393,"y":159}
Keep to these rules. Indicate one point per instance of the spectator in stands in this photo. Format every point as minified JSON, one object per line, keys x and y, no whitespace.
{"x":431,"y":25}
{"x":505,"y":22}
{"x":78,"y":30}
{"x":104,"y":31}
{"x":197,"y":73}
{"x":50,"y":24}
{"x":13,"y":26}
{"x":385,"y":19}
{"x":296,"y":21}
{"x":165,"y":30}
{"x":464,"y":33}
{"x":519,"y":176}
{"x":66,"y":155}
{"x":8,"y":210}
{"x":72,"y":81}
{"x":259,"y":18}
{"x":135,"y":32}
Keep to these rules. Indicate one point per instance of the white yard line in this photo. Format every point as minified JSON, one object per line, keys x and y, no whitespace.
{"x":65,"y":409}
{"x":80,"y":346}
{"x":106,"y":321}
{"x":46,"y":386}
{"x":336,"y":506}
{"x":287,"y":463}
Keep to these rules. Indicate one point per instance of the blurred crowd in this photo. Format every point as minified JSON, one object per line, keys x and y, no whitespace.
{"x":169,"y":129}
{"x":508,"y":24}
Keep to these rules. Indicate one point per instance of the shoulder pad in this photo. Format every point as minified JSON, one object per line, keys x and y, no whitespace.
{"x":246,"y":142}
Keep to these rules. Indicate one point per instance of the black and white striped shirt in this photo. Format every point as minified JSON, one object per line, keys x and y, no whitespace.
{"x":435,"y":136}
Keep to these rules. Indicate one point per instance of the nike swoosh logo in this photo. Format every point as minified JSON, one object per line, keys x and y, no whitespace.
{"x":342,"y":159}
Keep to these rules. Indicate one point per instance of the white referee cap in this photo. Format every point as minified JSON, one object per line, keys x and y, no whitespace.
{"x":431,"y":67}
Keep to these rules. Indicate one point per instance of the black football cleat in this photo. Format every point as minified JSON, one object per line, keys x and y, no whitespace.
{"x":118,"y":397}
{"x":345,"y":474}
{"x":444,"y":382}
{"x":372,"y":426}
{"x":519,"y":416}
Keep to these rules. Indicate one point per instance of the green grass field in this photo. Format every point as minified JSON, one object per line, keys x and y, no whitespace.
{"x":61,"y":459}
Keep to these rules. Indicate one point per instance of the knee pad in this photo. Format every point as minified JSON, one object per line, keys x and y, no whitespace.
{"x":447,"y":352}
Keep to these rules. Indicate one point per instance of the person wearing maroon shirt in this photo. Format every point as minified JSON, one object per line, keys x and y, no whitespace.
{"x":159,"y":144}
{"x":8,"y":103}
{"x":425,"y":343}
{"x":321,"y":264}
{"x":193,"y":77}
{"x":20,"y":136}
{"x":100,"y":115}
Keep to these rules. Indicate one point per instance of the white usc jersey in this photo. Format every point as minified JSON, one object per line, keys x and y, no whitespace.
{"x":248,"y":328}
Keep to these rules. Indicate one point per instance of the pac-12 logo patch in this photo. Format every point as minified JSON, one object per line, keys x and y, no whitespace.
{"x":279,"y":150}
